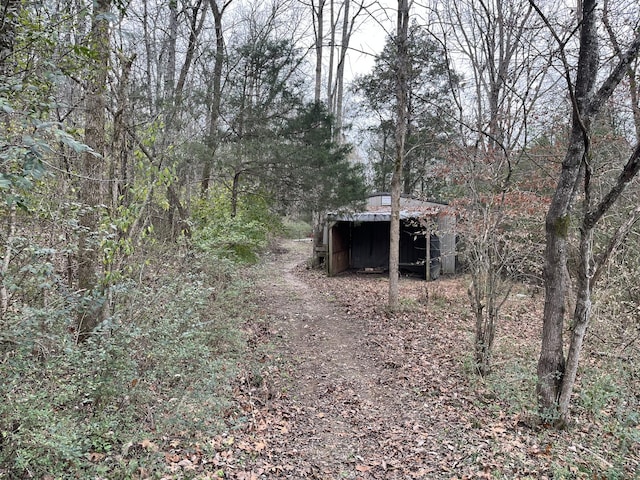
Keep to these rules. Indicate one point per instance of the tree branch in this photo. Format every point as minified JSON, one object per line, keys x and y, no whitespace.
{"x":614,"y":243}
{"x":627,"y":174}
{"x":614,"y":78}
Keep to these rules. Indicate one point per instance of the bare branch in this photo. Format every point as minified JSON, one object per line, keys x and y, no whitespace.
{"x":627,"y":174}
{"x":614,"y":243}
{"x":615,"y":77}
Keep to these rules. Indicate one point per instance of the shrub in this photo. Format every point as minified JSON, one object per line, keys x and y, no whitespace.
{"x":238,"y":237}
{"x":165,"y":359}
{"x":297,"y":229}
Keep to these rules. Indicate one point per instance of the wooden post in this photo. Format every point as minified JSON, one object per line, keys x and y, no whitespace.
{"x":427,"y":260}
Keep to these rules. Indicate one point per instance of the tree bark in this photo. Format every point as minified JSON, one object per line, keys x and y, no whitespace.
{"x":348,"y":25}
{"x":400,"y":137}
{"x":556,"y":377}
{"x":8,"y":15}
{"x":92,"y":186}
{"x":6,"y":260}
{"x":170,"y":73}
{"x":551,"y":364}
{"x":318,"y":15}
{"x":340,"y":70}
{"x":195,"y":27}
{"x":589,"y":270}
{"x":235,"y":194}
{"x":148,"y":57}
{"x":332,"y":49}
{"x":216,"y":94}
{"x":120,"y":146}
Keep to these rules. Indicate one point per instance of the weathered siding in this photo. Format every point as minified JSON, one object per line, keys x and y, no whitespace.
{"x":447,"y":234}
{"x":339,"y":239}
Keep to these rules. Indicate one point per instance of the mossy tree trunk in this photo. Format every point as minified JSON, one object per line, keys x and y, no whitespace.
{"x":557,"y":375}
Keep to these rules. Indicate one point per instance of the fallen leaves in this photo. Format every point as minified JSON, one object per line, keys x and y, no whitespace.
{"x":349,"y":390}
{"x":149,"y":445}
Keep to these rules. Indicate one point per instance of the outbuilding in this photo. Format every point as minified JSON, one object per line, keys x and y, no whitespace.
{"x":360,"y":240}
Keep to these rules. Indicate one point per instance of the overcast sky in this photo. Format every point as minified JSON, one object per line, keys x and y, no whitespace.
{"x":369,"y":37}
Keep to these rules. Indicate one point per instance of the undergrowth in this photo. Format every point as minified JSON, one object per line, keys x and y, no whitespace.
{"x":602,"y":440}
{"x":161,"y":367}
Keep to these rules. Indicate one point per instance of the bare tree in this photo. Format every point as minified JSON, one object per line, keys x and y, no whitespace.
{"x":346,"y":21}
{"x":317,"y":10}
{"x":497,"y":42}
{"x":557,"y":374}
{"x":216,"y":93}
{"x":402,"y":114}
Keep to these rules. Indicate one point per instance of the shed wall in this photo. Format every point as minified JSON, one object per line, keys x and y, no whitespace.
{"x":447,"y":234}
{"x":370,"y":245}
{"x":339,"y":241}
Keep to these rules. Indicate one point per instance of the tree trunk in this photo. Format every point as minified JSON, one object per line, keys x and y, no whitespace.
{"x":340,"y":70}
{"x":92,"y":186}
{"x":332,"y":48}
{"x":170,"y":73}
{"x":216,"y":93}
{"x":394,"y":245}
{"x":579,"y":325}
{"x":485,"y":304}
{"x":319,"y":39}
{"x":551,"y":365}
{"x":148,"y":57}
{"x":118,"y":170}
{"x":318,"y":16}
{"x":8,"y":16}
{"x":183,"y":215}
{"x":195,"y":27}
{"x":235,"y":194}
{"x":400,"y":137}
{"x":6,"y":260}
{"x":556,"y":377}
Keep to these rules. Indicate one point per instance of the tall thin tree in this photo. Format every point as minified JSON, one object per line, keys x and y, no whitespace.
{"x":92,"y":191}
{"x":216,"y":93}
{"x":400,"y":137}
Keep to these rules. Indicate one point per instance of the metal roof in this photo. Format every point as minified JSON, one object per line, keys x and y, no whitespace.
{"x":377,"y":212}
{"x":377,"y":216}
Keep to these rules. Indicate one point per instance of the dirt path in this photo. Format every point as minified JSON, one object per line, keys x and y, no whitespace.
{"x":320,"y":338}
{"x":359,"y":394}
{"x":348,"y":391}
{"x":334,"y":384}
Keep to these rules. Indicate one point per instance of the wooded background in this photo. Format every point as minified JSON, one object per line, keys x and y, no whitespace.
{"x":137,"y":133}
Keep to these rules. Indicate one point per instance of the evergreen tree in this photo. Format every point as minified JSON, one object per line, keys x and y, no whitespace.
{"x":317,"y":172}
{"x":430,"y":83}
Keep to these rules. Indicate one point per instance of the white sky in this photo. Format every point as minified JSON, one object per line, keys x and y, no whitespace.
{"x":370,"y":35}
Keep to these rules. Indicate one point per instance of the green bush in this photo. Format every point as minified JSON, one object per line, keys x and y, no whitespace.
{"x":296,"y":228}
{"x":238,"y":237}
{"x":233,"y":238}
{"x":164,"y":361}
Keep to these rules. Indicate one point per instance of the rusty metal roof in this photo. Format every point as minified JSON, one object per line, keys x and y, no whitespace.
{"x":375,"y":211}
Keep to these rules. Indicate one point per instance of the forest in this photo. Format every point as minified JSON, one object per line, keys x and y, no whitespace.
{"x":158,"y":158}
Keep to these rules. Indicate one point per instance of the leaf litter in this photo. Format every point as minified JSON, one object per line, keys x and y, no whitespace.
{"x":347,"y":390}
